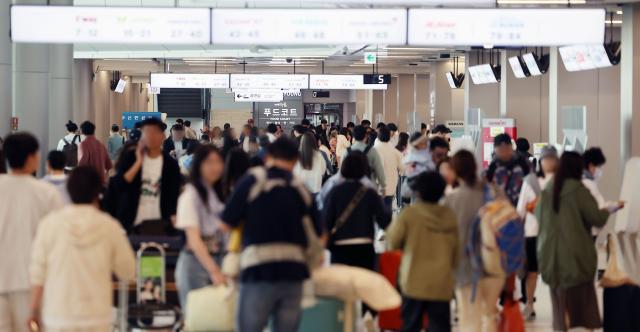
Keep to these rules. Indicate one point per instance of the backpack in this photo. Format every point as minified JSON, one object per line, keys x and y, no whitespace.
{"x":70,"y":151}
{"x":495,"y":246}
{"x":366,"y":153}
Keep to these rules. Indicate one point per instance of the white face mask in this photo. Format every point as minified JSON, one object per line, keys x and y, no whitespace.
{"x":597,"y":175}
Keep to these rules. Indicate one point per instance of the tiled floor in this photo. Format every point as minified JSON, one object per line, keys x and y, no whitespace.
{"x":543,"y":322}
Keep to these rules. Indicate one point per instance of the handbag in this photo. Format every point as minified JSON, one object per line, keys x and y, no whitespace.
{"x":624,"y":260}
{"x":231,"y":261}
{"x":511,"y":318}
{"x":211,"y":308}
{"x":346,"y":213}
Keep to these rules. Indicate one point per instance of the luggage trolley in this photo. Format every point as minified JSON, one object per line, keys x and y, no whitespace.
{"x":151,"y":311}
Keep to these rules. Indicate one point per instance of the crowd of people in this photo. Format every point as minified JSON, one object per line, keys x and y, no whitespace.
{"x":351,"y":185}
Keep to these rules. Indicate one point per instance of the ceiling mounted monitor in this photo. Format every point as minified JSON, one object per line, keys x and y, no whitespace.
{"x":455,"y":81}
{"x":536,"y":65}
{"x":518,"y":67}
{"x":484,"y":74}
{"x":585,"y":57}
{"x":505,"y":27}
{"x":120,"y":87}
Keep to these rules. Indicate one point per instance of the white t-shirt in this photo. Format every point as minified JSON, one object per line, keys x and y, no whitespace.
{"x":149,"y":206}
{"x":24,"y":201}
{"x":193,"y":212}
{"x":312,"y":178}
{"x":179,"y":150}
{"x":69,"y":138}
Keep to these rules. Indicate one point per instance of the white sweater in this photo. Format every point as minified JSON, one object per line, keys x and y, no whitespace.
{"x":75,"y":253}
{"x":392,"y":164}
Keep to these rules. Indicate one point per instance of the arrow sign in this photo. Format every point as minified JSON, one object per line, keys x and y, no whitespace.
{"x":370,"y":58}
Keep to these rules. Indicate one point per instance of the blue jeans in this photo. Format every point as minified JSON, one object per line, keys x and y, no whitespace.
{"x":191,"y":275}
{"x":388,"y":203}
{"x":260,"y":301}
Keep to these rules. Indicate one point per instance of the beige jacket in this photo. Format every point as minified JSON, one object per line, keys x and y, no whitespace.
{"x":76,"y":251}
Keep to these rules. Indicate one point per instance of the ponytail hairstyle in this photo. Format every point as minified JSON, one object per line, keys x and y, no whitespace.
{"x":570,"y":168}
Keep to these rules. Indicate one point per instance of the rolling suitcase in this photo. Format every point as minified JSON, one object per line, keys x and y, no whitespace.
{"x":389,"y":267}
{"x":328,"y":315}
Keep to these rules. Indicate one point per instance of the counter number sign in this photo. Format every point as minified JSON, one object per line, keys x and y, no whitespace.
{"x":370,"y":58}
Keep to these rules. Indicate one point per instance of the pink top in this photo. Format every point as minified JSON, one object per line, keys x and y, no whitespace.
{"x":93,"y":153}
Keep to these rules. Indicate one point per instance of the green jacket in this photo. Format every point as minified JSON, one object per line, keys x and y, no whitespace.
{"x":566,"y":251}
{"x":428,"y":236}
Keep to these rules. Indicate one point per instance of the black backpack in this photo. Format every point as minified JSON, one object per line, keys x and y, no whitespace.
{"x":366,"y":153}
{"x":70,"y":151}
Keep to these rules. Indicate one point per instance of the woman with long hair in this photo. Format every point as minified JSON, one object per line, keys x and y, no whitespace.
{"x":565,"y":251}
{"x":198,"y":214}
{"x":351,"y":209}
{"x":311,"y":165}
{"x":216,"y":137}
{"x":236,"y":164}
{"x":403,"y":142}
{"x":465,"y":201}
{"x":529,"y":195}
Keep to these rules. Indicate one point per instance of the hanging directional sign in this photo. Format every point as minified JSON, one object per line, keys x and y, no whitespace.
{"x":376,"y":79}
{"x":370,"y":58}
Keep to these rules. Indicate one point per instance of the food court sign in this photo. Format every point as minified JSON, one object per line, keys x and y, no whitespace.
{"x":286,"y":113}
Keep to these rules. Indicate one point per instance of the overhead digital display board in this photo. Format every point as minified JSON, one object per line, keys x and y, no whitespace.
{"x":342,"y":82}
{"x":308,"y":26}
{"x":505,"y":27}
{"x":132,"y":25}
{"x":269,"y":81}
{"x":190,"y":81}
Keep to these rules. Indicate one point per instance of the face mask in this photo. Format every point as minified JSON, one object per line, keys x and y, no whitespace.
{"x":597,"y":175}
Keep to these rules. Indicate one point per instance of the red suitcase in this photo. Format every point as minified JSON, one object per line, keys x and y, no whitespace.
{"x":389,"y":266}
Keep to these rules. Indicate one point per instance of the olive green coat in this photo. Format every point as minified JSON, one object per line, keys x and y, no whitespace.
{"x":566,"y":250}
{"x":427,"y":234}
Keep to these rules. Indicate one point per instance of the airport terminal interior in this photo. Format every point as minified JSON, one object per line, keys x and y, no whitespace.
{"x":319,"y":165}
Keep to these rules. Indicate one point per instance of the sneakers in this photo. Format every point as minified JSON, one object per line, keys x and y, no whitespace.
{"x":529,"y":314}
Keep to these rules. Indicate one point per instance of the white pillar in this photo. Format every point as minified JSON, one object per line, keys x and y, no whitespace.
{"x":629,"y":79}
{"x":553,"y":95}
{"x":503,"y":83}
{"x":5,"y":69}
{"x":42,"y":86}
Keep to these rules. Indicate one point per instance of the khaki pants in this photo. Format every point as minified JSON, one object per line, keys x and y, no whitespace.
{"x":482,"y":314}
{"x":14,"y":311}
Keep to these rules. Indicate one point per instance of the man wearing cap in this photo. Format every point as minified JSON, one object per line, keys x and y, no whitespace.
{"x":145,"y":189}
{"x":441,"y":131}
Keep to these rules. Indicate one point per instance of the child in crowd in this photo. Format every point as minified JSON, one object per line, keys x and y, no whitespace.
{"x":55,"y":173}
{"x":427,"y":233}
